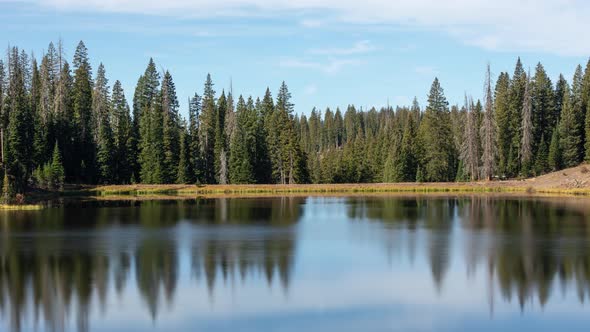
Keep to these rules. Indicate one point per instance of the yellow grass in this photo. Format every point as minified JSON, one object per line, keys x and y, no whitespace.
{"x":23,"y":207}
{"x":326,"y":189}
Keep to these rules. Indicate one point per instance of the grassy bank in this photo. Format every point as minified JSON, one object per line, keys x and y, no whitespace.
{"x":327,"y":189}
{"x":569,"y":182}
{"x":20,"y":207}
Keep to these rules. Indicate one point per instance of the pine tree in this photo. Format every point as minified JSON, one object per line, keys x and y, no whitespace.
{"x":100,"y":102}
{"x":543,"y":99}
{"x":171,"y":129}
{"x":207,"y":132}
{"x":502,"y":112}
{"x":577,"y":100}
{"x":57,"y":169}
{"x":437,"y":161}
{"x":289,"y":168}
{"x":149,"y":103}
{"x":184,"y":175}
{"x":405,"y":167}
{"x":195,"y":165}
{"x":569,"y":132}
{"x":62,"y":123}
{"x":6,"y":190}
{"x":123,"y":135}
{"x":82,"y":102}
{"x":516,"y":98}
{"x":20,"y":129}
{"x":220,"y":147}
{"x":242,"y":145}
{"x":554,"y":157}
{"x":542,"y":158}
{"x":105,"y":156}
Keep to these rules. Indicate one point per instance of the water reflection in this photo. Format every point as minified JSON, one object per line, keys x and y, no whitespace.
{"x":55,"y":263}
{"x":62,"y":267}
{"x":523,"y":245}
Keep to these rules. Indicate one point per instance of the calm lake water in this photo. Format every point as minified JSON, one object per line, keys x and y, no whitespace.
{"x":299,"y":264}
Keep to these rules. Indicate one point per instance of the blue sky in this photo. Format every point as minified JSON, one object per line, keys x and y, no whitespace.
{"x":330,"y":53}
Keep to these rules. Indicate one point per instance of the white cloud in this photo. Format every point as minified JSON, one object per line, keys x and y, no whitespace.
{"x":363,"y":46}
{"x":552,"y":26}
{"x":329,"y":67}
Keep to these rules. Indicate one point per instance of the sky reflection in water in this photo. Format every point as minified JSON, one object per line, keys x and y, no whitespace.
{"x":292,"y":264}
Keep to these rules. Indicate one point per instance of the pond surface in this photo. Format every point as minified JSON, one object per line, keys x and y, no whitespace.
{"x":299,"y":264}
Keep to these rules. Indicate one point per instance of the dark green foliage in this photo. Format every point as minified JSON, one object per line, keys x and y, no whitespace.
{"x":106,"y":153}
{"x":438,"y":152}
{"x":207,"y":121}
{"x":554,"y":157}
{"x":243,"y":145}
{"x":84,"y":147}
{"x":404,"y":166}
{"x":184,"y":174}
{"x":195,"y":161}
{"x":569,"y":132}
{"x":19,"y":151}
{"x":124,"y":142}
{"x":505,"y":132}
{"x":220,"y":150}
{"x":57,"y":169}
{"x":151,"y":150}
{"x":170,"y":130}
{"x":542,"y":158}
{"x":61,"y":126}
{"x":51,"y":175}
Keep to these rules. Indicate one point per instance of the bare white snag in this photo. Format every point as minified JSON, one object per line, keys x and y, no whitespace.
{"x":488,"y":131}
{"x":526,"y":153}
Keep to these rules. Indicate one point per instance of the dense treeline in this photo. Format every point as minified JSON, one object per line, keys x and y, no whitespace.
{"x":62,"y":122}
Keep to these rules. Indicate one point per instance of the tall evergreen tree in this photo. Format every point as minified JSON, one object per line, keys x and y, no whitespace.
{"x":243,"y":145}
{"x":151,"y":154}
{"x":122,"y":128}
{"x":503,"y":118}
{"x":554,"y":157}
{"x":170,"y":130}
{"x":184,"y":175}
{"x":207,"y":122}
{"x":405,"y":165}
{"x":569,"y":132}
{"x":437,"y":161}
{"x":220,"y":147}
{"x":195,"y":165}
{"x":577,"y":100}
{"x":20,"y":129}
{"x":543,"y":99}
{"x":82,"y":102}
{"x":517,"y":90}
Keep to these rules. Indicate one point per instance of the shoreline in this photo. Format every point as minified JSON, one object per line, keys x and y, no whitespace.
{"x":38,"y":200}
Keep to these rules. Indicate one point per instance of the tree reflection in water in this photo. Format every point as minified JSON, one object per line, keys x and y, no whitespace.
{"x":55,"y":263}
{"x":58,"y":265}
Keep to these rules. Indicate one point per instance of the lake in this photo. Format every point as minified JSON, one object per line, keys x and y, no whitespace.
{"x":382,"y":263}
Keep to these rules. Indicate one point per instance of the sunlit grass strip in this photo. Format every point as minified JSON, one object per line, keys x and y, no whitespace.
{"x":24,"y":207}
{"x":303,"y":189}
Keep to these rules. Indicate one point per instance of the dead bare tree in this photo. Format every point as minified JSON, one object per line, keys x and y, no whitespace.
{"x":488,"y":131}
{"x":526,"y":147}
{"x":470,"y":145}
